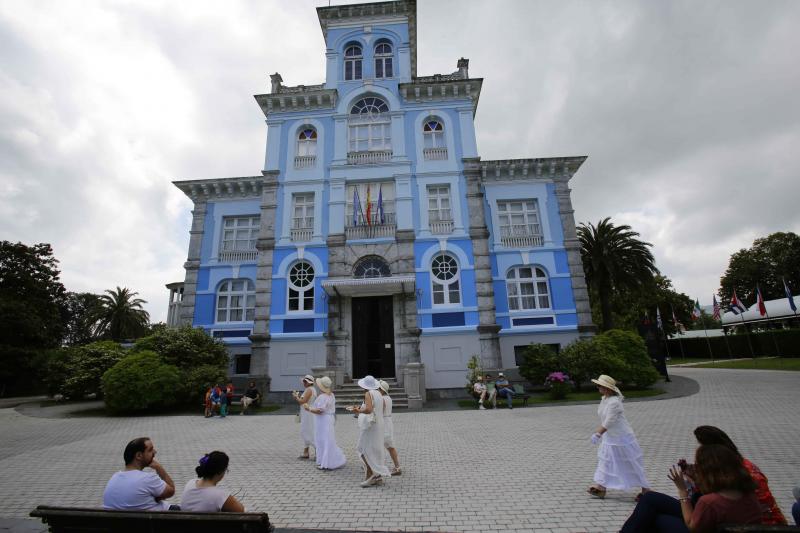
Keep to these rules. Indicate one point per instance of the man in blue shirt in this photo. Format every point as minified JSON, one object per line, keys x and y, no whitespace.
{"x":504,"y":389}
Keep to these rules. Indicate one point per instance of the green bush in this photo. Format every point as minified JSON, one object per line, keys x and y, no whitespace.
{"x":628,"y":347}
{"x":539,"y":361}
{"x":77,"y":371}
{"x":141,"y":381}
{"x":584,"y":359}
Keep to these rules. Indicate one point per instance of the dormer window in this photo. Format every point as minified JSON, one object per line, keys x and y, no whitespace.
{"x":383,"y":61}
{"x":353,"y":58}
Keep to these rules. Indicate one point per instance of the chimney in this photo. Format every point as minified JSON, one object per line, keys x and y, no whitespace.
{"x":463,"y":68}
{"x":276,"y":82}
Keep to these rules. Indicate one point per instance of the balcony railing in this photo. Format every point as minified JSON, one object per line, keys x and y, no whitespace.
{"x":374,"y":230}
{"x":302,"y":234}
{"x":522,"y":240}
{"x":441,"y":227}
{"x":434,"y":154}
{"x":237,"y":256}
{"x":305,"y":161}
{"x":365,"y":158}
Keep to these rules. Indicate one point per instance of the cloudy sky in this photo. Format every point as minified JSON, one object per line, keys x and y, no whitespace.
{"x":689,"y":112}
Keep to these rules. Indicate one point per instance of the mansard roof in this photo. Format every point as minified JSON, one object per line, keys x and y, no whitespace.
{"x":374,"y":12}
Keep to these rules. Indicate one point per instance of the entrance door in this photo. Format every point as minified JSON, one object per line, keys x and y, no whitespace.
{"x":373,"y":337}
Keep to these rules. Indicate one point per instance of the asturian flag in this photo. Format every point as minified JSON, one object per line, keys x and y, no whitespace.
{"x":789,"y":296}
{"x":737,"y":307}
{"x":716,"y":315}
{"x":696,"y":312}
{"x":762,"y":309}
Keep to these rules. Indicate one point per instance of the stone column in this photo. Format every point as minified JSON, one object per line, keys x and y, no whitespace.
{"x":338,"y":333}
{"x":484,"y":288}
{"x":259,"y":359}
{"x":586,"y":327}
{"x":192,"y":264}
{"x":407,"y":344}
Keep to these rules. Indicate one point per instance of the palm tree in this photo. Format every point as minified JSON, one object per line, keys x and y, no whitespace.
{"x":614,"y":260}
{"x":120,"y":315}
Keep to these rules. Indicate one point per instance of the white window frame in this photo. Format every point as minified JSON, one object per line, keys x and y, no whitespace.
{"x":239,"y":233}
{"x":303,"y":210}
{"x":384,"y":59}
{"x":432,"y":137}
{"x":448,"y":288}
{"x":353,"y":64}
{"x":369,"y":126}
{"x":437,"y":195}
{"x":533,"y":288}
{"x":242,"y":293}
{"x":307,"y":146}
{"x":302,"y":294}
{"x":519,"y":218}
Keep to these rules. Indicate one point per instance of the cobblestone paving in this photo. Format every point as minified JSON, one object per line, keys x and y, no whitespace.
{"x":521,"y":470}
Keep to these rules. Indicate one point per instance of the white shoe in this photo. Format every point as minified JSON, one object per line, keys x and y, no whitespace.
{"x":481,"y":407}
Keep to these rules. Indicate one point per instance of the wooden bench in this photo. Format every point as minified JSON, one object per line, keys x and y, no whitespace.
{"x":519,"y":392}
{"x":75,"y":519}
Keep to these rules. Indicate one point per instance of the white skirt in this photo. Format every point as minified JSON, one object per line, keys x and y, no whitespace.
{"x":620,"y":464}
{"x":388,"y":432}
{"x":307,"y":428}
{"x":329,"y":455}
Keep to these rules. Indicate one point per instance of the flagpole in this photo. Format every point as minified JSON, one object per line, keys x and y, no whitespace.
{"x":708,"y":342}
{"x":747,"y":333}
{"x":772,"y":331}
{"x":677,"y":331}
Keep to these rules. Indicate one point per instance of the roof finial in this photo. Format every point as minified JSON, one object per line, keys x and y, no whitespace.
{"x":463,"y":67}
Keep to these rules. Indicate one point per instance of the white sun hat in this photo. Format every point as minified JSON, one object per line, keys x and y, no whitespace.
{"x":324,"y":383}
{"x":607,"y":382}
{"x":369,"y":383}
{"x":308,"y":378}
{"x":384,"y":386}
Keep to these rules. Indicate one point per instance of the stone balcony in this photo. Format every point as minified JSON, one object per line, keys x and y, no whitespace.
{"x":441,"y":227}
{"x":370,"y":157}
{"x":374,"y":230}
{"x":305,"y":161}
{"x":522,"y":240}
{"x":434,"y":154}
{"x":237,"y":256}
{"x":302,"y":234}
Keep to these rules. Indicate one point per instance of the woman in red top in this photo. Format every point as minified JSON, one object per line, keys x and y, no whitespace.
{"x":770,"y":512}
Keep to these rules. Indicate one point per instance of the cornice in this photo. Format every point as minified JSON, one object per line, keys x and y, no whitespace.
{"x":442,"y":87}
{"x":545,"y":168}
{"x":300,"y":98}
{"x":373,"y":12}
{"x":221,"y":188}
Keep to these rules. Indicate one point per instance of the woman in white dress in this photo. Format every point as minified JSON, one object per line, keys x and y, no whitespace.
{"x":620,"y":464}
{"x":370,"y":438}
{"x":329,"y":455}
{"x":306,"y":419}
{"x":203,"y":494}
{"x":388,"y":428}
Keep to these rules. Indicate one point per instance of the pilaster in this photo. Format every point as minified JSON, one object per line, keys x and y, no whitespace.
{"x":192,"y":264}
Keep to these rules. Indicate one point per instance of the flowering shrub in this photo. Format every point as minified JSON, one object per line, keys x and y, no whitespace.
{"x":559,"y":385}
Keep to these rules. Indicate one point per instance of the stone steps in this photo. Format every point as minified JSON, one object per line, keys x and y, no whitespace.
{"x":351,"y":394}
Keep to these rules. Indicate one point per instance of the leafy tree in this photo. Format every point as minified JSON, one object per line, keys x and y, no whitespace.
{"x":764,"y":264}
{"x":32,"y":312}
{"x":120,"y":315}
{"x":584,"y":360}
{"x":540,"y":360}
{"x":630,"y":348}
{"x":82,"y":311}
{"x":614,"y":260}
{"x":139,"y":382}
{"x":76,"y":371}
{"x":638,"y":305}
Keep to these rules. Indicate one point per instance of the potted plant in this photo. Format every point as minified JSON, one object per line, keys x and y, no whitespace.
{"x":558,"y":384}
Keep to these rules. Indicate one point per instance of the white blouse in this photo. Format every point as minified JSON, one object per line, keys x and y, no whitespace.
{"x":612,"y":417}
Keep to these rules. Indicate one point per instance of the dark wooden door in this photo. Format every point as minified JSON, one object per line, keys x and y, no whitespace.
{"x":373,"y":337}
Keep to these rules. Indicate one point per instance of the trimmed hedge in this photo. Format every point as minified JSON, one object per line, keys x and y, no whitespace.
{"x":764,"y":343}
{"x":140,"y":382}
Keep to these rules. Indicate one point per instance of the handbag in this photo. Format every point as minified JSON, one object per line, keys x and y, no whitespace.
{"x":365,"y":420}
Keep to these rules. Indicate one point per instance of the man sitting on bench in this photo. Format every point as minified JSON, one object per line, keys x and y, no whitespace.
{"x":503,"y":388}
{"x":135,"y":489}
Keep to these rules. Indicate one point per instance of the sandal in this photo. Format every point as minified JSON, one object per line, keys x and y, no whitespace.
{"x":597,"y":492}
{"x":396,"y":472}
{"x":304,"y":457}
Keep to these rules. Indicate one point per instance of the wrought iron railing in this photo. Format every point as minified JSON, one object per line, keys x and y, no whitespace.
{"x":373,"y":227}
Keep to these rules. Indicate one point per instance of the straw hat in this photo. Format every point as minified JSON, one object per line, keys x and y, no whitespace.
{"x":324,"y":383}
{"x":369,"y":383}
{"x":607,"y":382}
{"x":384,"y":386}
{"x":308,"y":378}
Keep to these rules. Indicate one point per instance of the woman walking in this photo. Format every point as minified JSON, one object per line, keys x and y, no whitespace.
{"x":370,"y":439}
{"x":329,"y":455}
{"x":306,"y":419}
{"x":203,"y":494}
{"x":619,"y":458}
{"x":388,"y":428}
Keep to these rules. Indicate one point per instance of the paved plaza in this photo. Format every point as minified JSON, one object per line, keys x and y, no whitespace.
{"x":521,"y":470}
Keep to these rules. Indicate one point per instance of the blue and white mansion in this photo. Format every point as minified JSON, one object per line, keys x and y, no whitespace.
{"x":376,"y":240}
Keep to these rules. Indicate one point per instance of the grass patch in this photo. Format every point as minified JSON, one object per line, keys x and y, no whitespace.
{"x":582,"y":396}
{"x":772,"y":363}
{"x":685,"y":360}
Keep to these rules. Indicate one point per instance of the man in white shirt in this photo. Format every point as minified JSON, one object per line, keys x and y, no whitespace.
{"x":135,"y":489}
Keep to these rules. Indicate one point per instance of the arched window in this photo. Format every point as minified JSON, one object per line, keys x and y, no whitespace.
{"x":445,"y":280}
{"x":527,"y":288}
{"x":383,"y":60}
{"x":301,"y":287}
{"x":372,"y":267}
{"x":433,"y":133}
{"x":369,"y":126}
{"x":307,"y":142}
{"x":352,"y":62}
{"x":236,"y":301}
